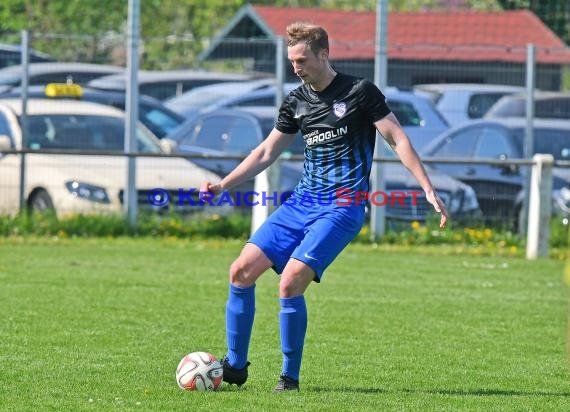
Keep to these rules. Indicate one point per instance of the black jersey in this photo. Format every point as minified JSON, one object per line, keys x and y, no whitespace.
{"x":337,"y":126}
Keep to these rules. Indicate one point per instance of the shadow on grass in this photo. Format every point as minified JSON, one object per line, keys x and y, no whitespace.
{"x":450,"y":392}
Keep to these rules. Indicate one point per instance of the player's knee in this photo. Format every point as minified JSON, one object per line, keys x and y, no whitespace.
{"x":239,"y":274}
{"x":286,"y":289}
{"x":289,"y":288}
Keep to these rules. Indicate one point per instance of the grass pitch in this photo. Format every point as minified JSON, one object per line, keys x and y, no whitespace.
{"x":100,"y":324}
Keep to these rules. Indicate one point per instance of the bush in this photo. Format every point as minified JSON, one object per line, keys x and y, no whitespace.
{"x":478,"y":239}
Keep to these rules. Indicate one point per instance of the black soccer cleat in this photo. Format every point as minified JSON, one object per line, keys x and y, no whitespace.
{"x":234,"y":376}
{"x":286,"y":384}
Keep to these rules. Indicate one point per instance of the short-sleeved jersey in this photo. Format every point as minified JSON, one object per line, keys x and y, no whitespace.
{"x":337,"y":125}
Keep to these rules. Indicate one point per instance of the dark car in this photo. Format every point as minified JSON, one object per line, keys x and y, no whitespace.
{"x":152,"y":113}
{"x":232,"y":132}
{"x":500,"y":188}
{"x":238,"y":131}
{"x":11,"y":55}
{"x":547,"y":105}
{"x":165,"y":84}
{"x":195,"y":100}
{"x":54,"y":72}
{"x":255,"y":98}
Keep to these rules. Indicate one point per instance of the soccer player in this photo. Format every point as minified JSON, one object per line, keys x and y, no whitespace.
{"x":338,"y":116}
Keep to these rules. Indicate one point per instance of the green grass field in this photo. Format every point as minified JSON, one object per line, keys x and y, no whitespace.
{"x":100,"y":324}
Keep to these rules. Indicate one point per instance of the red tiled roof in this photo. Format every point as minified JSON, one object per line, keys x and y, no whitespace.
{"x":449,"y":35}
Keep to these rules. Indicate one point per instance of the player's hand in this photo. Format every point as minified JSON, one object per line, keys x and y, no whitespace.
{"x":208,"y":190}
{"x":439,"y":207}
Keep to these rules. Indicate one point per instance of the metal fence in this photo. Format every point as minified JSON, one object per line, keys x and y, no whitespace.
{"x":502,"y":206}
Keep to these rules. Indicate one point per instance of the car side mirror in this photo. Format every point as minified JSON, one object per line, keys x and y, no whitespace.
{"x":5,"y":142}
{"x":168,"y":146}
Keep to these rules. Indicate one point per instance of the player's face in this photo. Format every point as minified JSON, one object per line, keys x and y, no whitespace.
{"x":309,"y":67}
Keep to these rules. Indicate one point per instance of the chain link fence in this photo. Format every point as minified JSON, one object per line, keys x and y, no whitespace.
{"x":495,"y":176}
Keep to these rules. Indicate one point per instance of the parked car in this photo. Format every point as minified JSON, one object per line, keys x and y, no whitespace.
{"x":165,"y":84}
{"x":55,"y":72}
{"x":11,"y":55}
{"x":223,"y":132}
{"x":194,"y":100}
{"x":460,"y":102}
{"x":417,"y":116}
{"x":547,"y":105}
{"x":237,"y":131}
{"x":152,"y":113}
{"x":256,"y":98}
{"x":500,"y":188}
{"x":416,"y":113}
{"x":92,"y":177}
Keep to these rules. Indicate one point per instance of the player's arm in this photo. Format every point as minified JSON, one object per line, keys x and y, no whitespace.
{"x":390,"y":129}
{"x":258,"y":160}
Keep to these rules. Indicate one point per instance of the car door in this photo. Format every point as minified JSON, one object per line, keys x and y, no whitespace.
{"x":497,"y":186}
{"x":218,"y":135}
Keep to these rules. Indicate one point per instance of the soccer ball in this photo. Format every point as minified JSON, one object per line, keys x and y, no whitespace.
{"x":199,"y":371}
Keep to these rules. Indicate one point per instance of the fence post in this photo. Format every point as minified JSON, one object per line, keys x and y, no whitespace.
{"x":25,"y":60}
{"x":529,"y":129}
{"x":260,"y":212}
{"x":539,"y":206}
{"x":130,"y":197}
{"x":378,"y":214}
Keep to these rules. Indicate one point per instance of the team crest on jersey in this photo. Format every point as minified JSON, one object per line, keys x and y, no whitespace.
{"x":339,"y":109}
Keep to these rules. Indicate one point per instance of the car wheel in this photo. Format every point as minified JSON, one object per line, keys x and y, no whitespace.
{"x":40,"y":201}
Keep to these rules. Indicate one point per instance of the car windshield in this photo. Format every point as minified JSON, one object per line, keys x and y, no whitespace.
{"x":160,"y":122}
{"x":83,"y":132}
{"x":550,"y":141}
{"x":198,"y":98}
{"x":297,"y":147}
{"x":405,"y":112}
{"x":547,"y":108}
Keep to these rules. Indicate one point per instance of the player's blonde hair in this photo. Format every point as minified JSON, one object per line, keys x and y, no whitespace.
{"x":315,"y":36}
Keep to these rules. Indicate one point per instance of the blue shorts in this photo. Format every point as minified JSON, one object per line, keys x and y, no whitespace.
{"x":313,"y":233}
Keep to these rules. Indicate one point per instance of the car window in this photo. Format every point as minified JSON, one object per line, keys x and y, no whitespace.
{"x":554,"y":142}
{"x":206,"y":133}
{"x":241,"y":136}
{"x":555,"y":108}
{"x":162,"y":90}
{"x":480,"y":103}
{"x":493,"y":143}
{"x":406,"y":113}
{"x":5,"y":126}
{"x":256,"y":101}
{"x":83,"y":132}
{"x":460,"y":144}
{"x":158,"y":121}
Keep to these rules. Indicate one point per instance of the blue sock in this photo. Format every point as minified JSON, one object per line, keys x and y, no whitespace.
{"x":293,"y":325}
{"x":240,"y":310}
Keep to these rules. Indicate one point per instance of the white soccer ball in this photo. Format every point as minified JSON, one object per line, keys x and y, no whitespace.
{"x":199,"y":371}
